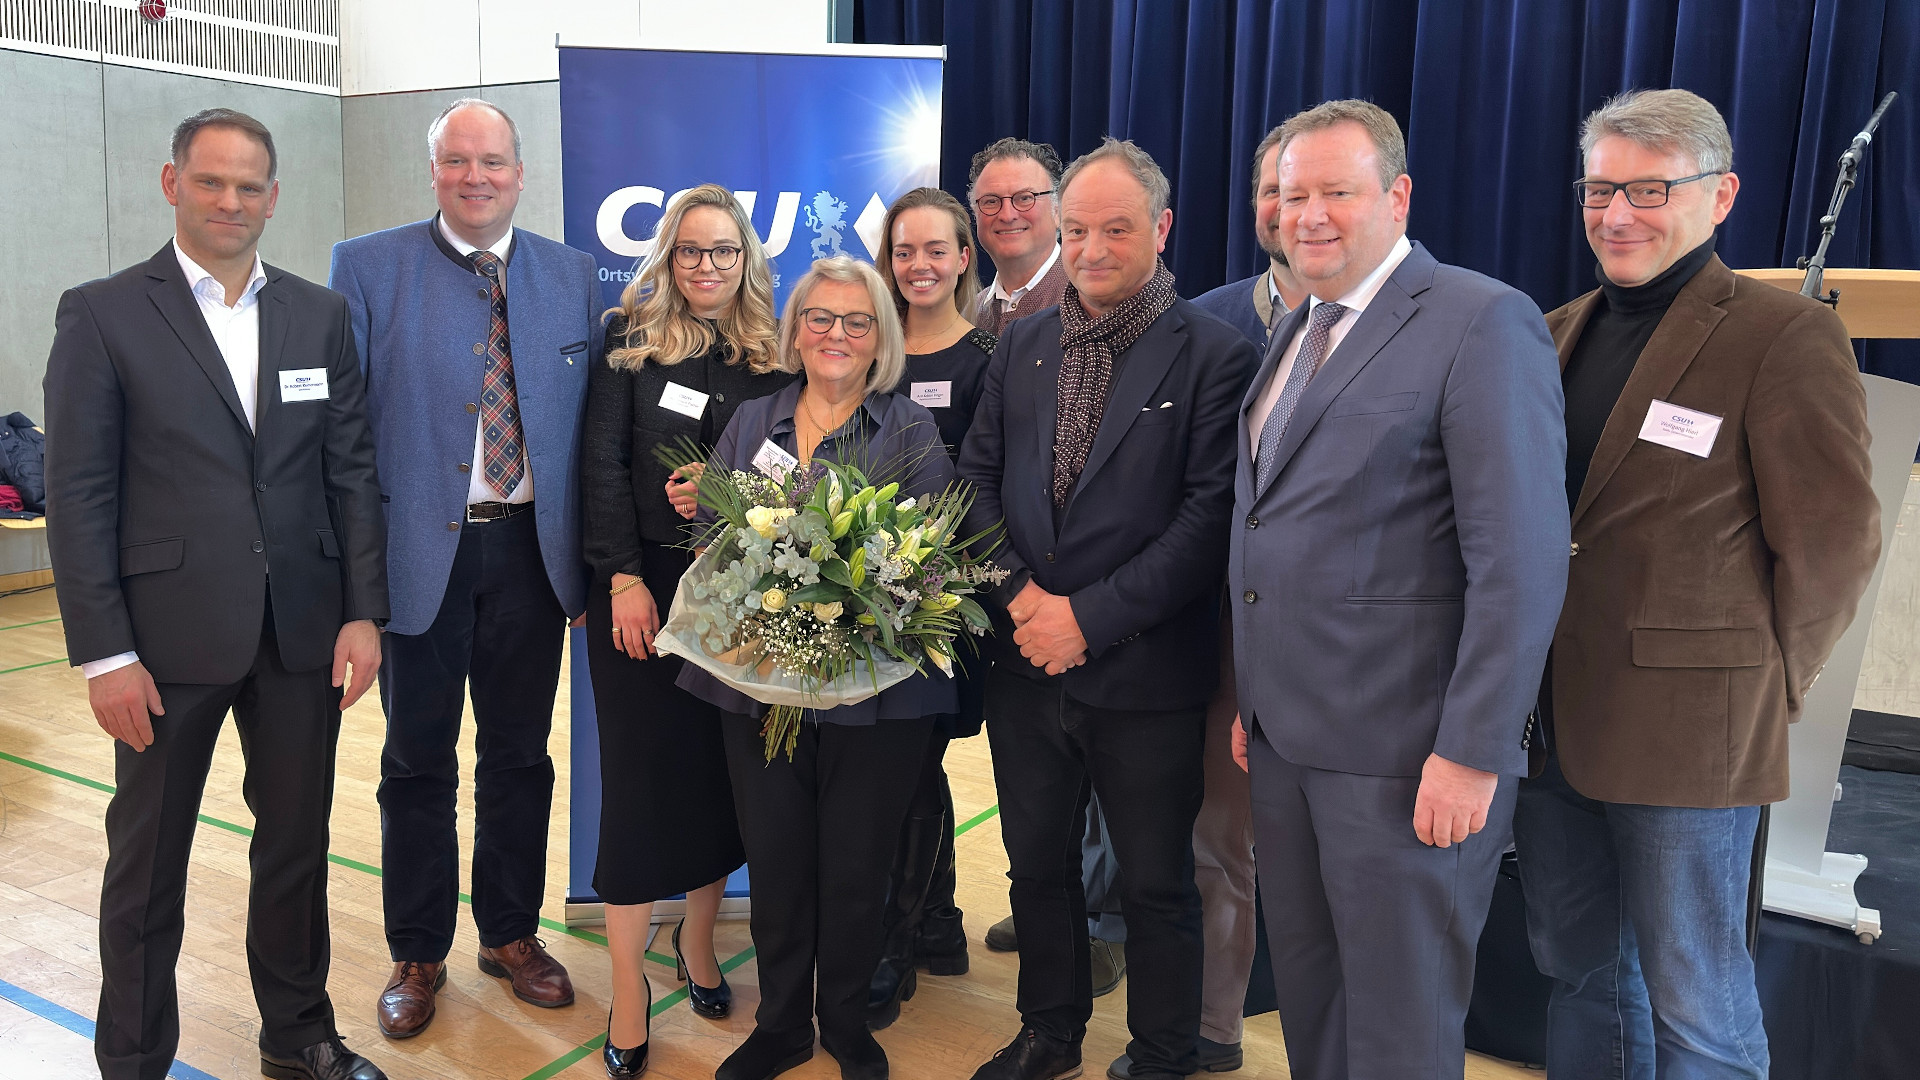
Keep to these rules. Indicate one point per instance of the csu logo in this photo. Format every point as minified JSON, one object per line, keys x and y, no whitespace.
{"x":826,"y":218}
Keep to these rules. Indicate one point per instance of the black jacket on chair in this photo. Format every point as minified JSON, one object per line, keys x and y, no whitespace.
{"x":1142,"y":541}
{"x":168,"y":520}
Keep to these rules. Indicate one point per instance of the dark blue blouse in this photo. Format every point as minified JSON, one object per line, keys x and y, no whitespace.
{"x":890,"y":438}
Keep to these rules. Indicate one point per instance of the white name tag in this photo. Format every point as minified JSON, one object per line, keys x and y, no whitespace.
{"x":1683,"y":429}
{"x":304,"y":384}
{"x":932,"y":395}
{"x":683,"y":400}
{"x":774,"y":461}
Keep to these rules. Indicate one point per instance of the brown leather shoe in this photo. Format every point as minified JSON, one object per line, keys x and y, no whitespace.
{"x":406,"y":1005}
{"x":538,"y":979}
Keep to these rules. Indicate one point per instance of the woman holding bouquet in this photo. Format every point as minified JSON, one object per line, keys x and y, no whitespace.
{"x":692,"y":340}
{"x":821,"y":828}
{"x":929,"y":270}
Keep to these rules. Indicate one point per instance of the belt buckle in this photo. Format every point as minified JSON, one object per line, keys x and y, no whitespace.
{"x":474,"y":520}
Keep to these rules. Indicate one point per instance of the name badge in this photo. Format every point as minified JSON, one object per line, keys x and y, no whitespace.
{"x":774,"y":461}
{"x":683,"y":400}
{"x":303,"y":384}
{"x":1683,"y":429}
{"x":932,"y":395}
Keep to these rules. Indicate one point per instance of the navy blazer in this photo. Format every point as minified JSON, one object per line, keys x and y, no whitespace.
{"x":421,"y":316}
{"x":1395,"y":587}
{"x":1140,"y":541}
{"x":1233,"y":303}
{"x":890,"y":438}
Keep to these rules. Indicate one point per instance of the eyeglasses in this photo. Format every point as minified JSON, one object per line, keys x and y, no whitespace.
{"x":1644,"y":194}
{"x":687,"y":256}
{"x":1022,"y":201}
{"x":820,"y":321}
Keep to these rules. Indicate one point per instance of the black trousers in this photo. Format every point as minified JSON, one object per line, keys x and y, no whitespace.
{"x":289,"y":723}
{"x":1050,"y":753}
{"x":500,"y":631}
{"x":820,"y":832}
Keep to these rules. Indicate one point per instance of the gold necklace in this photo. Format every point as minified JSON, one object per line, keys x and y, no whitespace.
{"x":825,"y":430}
{"x":935,"y":336}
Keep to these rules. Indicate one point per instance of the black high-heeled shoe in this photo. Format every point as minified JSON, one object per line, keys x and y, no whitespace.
{"x":625,"y":1064}
{"x":714,"y":1003}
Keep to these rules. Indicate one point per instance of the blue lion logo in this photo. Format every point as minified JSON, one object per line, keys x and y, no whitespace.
{"x":827,"y":217}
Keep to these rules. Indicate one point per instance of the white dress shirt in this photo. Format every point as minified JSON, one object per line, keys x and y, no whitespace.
{"x":996,"y":292}
{"x":1355,"y":301}
{"x":478,"y":490}
{"x":236,"y":333}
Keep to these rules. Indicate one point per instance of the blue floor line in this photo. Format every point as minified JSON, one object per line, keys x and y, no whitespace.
{"x":79,"y":1025}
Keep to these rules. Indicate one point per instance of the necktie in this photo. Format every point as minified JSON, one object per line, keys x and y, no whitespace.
{"x":502,"y":443}
{"x":1313,"y":351}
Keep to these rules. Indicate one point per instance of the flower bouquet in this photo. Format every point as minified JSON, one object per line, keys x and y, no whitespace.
{"x":818,"y":589}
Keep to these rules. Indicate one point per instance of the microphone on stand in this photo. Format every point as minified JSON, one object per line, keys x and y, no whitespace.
{"x":1816,"y":264}
{"x":1858,"y":151}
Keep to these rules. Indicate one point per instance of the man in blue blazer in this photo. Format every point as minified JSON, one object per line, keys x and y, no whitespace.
{"x":1399,"y":557}
{"x":1104,"y":441}
{"x":477,"y":339}
{"x":1254,"y":305}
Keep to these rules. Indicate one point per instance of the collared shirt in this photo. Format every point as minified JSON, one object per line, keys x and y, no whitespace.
{"x":1355,"y":301}
{"x":998,"y":292}
{"x":236,"y":333}
{"x":478,"y":490}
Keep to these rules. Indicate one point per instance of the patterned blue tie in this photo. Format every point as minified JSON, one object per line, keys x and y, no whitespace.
{"x":1313,"y":351}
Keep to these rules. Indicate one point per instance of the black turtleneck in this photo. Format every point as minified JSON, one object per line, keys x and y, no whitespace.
{"x":1608,"y":348}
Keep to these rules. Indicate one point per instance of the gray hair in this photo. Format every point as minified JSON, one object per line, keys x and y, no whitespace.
{"x":1389,"y":145}
{"x":1140,"y":164}
{"x":1016,"y":149}
{"x":1664,"y":121}
{"x":440,"y":124}
{"x":889,"y":358}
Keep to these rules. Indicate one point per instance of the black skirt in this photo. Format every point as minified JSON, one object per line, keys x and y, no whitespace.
{"x":667,"y":820}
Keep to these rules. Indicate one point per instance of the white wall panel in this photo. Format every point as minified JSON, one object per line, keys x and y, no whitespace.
{"x":395,"y":45}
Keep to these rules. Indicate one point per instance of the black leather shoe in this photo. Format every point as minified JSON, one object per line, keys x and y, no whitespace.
{"x":859,"y":1055}
{"x":627,"y":1063}
{"x":765,"y":1055}
{"x":1211,"y":1056}
{"x":329,"y":1060}
{"x":1033,"y":1056}
{"x":713,"y":1003}
{"x":893,"y":983}
{"x":1001,"y":938}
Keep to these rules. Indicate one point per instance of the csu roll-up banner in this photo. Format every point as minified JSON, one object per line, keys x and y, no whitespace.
{"x":815,"y":146}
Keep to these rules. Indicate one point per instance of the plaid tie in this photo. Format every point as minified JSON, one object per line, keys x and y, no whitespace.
{"x":1313,"y":351}
{"x":502,"y":444}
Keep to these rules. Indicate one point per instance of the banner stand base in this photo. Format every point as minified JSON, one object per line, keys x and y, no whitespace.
{"x":1826,"y":897}
{"x":594,"y":913}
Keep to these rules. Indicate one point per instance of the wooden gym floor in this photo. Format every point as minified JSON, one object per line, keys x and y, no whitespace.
{"x":56,"y":768}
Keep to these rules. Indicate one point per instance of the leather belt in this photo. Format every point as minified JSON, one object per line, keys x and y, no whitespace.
{"x":481,"y":513}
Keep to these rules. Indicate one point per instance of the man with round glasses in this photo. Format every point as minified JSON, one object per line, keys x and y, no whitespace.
{"x":1723,"y":529}
{"x":1011,"y":189}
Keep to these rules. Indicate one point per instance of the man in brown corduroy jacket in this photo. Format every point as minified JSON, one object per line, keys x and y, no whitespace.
{"x":1723,"y":531}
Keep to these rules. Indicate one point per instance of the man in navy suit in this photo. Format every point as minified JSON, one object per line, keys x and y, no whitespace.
{"x":477,"y":339}
{"x":1104,"y":441}
{"x":1255,"y":305}
{"x":1399,"y":556}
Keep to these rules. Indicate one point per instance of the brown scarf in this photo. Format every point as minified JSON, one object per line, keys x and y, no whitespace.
{"x":1088,"y":349}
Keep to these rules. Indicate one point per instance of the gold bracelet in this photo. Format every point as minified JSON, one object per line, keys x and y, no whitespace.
{"x":625,"y":587}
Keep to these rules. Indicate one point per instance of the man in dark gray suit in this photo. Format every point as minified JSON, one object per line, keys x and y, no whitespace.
{"x":1399,"y":556}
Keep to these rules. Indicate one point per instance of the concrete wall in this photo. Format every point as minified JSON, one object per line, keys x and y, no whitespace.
{"x":89,"y":140}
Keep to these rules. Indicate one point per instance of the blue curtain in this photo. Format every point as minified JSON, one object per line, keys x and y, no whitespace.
{"x":1490,"y":93}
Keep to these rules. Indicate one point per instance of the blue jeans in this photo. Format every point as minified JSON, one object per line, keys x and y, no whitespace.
{"x":1638,"y":915}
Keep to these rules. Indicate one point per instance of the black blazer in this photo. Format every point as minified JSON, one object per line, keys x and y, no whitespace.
{"x":623,"y":482}
{"x":168,"y":521}
{"x":1142,"y":542}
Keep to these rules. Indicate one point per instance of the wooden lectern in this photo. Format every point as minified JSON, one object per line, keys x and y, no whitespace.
{"x":1802,"y":877}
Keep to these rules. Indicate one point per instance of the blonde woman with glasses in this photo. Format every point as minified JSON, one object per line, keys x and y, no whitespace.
{"x":692,"y":339}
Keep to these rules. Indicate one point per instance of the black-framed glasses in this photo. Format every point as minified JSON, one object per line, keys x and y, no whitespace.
{"x":1022,"y":201}
{"x":820,"y":321}
{"x":1644,"y":194}
{"x":688,"y":256}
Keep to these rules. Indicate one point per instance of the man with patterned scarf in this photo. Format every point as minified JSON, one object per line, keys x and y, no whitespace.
{"x":1104,"y":442}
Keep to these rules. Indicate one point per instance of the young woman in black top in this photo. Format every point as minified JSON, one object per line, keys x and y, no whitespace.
{"x":693,"y":338}
{"x":928,"y":267}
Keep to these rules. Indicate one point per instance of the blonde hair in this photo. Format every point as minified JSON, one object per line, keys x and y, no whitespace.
{"x":660,"y":325}
{"x":932,"y":198}
{"x":890,"y":356}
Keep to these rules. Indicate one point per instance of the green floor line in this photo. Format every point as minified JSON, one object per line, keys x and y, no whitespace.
{"x":560,"y":1064}
{"x":984,"y":815}
{"x":36,"y":622}
{"x":29,"y":667}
